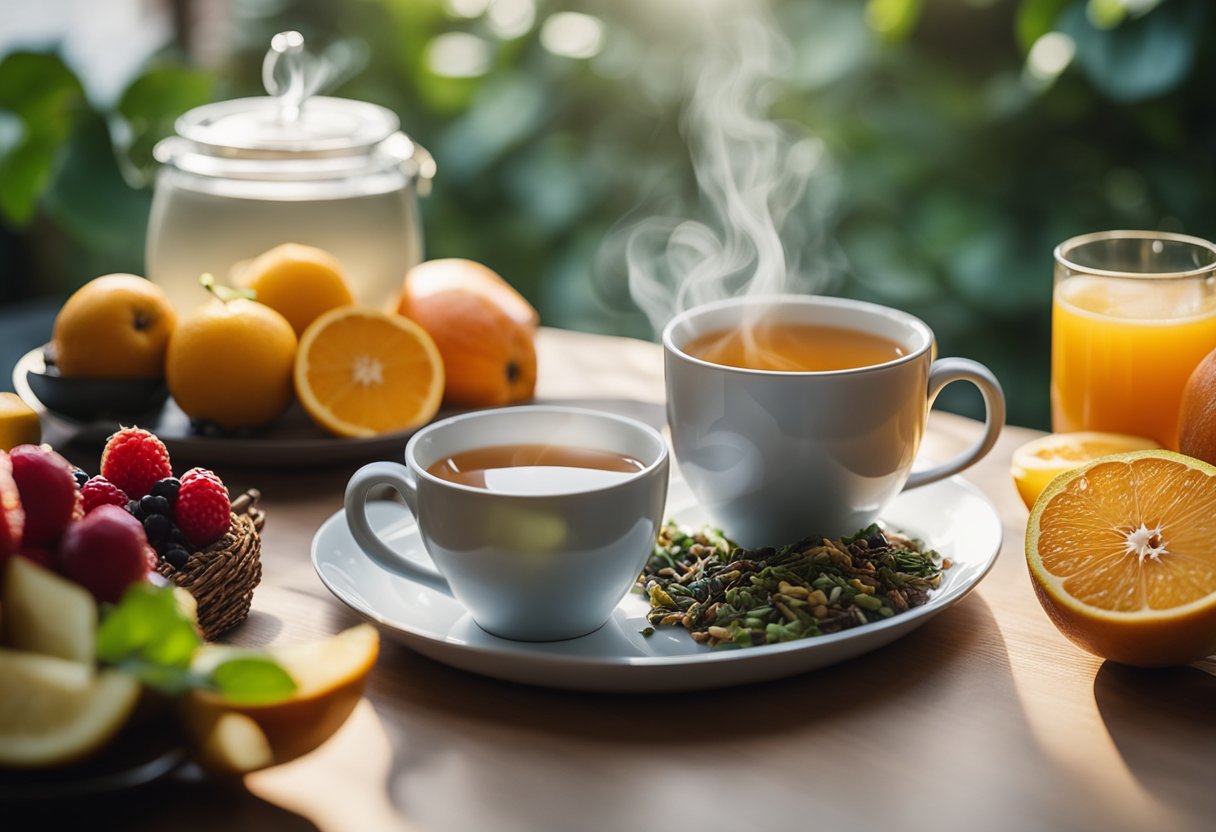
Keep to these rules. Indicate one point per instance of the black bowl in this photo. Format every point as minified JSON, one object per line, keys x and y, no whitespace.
{"x":95,"y":399}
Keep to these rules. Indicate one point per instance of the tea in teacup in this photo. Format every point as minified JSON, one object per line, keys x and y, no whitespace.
{"x":536,"y":468}
{"x":824,"y":447}
{"x":537,"y":519}
{"x":794,"y":347}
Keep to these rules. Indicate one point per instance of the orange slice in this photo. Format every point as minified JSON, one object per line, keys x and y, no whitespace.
{"x":362,"y":372}
{"x":1122,"y":555}
{"x":329,"y":674}
{"x":1039,"y":461}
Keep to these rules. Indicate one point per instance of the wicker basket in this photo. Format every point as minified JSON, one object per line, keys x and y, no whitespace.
{"x":222,"y":577}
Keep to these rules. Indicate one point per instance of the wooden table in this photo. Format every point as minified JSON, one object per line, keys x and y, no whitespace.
{"x":986,"y":718}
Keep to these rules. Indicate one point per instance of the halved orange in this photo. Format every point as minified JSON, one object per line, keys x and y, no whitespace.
{"x":1039,"y":461}
{"x":362,"y":372}
{"x":1122,"y":556}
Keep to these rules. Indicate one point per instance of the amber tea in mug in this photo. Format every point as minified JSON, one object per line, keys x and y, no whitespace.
{"x":536,"y":468}
{"x":794,"y":348}
{"x":818,"y":436}
{"x":532,"y":548}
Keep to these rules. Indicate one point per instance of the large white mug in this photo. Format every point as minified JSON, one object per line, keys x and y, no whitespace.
{"x":528,"y":566}
{"x":776,"y":456}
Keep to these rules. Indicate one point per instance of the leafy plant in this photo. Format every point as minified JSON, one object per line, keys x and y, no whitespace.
{"x":968,"y":139}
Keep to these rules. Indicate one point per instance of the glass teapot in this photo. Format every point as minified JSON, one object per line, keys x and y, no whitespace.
{"x":245,"y":175}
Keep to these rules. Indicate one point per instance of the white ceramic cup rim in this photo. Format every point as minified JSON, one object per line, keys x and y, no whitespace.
{"x":651,"y":434}
{"x":921,"y":331}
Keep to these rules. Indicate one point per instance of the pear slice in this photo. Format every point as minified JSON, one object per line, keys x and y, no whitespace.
{"x":54,"y":711}
{"x":48,"y":614}
{"x":228,"y":743}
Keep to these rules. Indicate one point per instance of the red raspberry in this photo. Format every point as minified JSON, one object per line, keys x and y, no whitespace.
{"x":99,"y":491}
{"x":203,"y":511}
{"x":135,"y":460}
{"x":152,"y":558}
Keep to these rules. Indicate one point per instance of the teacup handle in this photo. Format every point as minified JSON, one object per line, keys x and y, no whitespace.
{"x":402,"y":480}
{"x":943,"y":372}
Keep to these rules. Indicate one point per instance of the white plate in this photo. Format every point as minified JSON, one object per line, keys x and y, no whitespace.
{"x":951,"y":516}
{"x":293,"y":441}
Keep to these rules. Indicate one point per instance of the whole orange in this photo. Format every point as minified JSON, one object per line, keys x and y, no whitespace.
{"x":231,"y":364}
{"x":299,"y":282}
{"x":1197,"y":412}
{"x":483,"y":328}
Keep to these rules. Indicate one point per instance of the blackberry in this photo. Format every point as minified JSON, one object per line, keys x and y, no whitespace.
{"x":177,"y":557}
{"x":135,"y":511}
{"x":176,"y":538}
{"x":167,"y":488}
{"x":152,"y":504}
{"x":81,"y":477}
{"x":156,"y":527}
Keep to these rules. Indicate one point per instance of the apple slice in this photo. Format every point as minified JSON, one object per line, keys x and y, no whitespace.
{"x":54,"y":711}
{"x":45,"y":613}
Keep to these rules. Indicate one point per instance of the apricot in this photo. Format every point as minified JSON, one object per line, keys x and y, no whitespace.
{"x":115,"y":326}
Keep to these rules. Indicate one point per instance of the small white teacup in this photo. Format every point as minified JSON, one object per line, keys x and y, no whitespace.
{"x":533,"y":552}
{"x":776,"y":455}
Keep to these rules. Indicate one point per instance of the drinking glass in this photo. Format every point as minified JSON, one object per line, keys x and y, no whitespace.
{"x":1133,"y":313}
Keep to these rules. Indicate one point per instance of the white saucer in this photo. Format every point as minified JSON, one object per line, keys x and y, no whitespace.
{"x":952,"y":516}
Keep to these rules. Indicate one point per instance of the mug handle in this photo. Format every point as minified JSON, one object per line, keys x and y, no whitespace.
{"x":401,"y":479}
{"x":943,"y":372}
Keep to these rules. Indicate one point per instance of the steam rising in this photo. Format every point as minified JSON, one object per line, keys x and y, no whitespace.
{"x":758,"y":232}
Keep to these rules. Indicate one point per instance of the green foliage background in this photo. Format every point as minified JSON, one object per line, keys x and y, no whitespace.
{"x":957,"y":170}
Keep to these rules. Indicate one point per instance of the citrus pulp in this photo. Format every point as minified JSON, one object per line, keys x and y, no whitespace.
{"x":362,"y":372}
{"x":1039,"y":461}
{"x":1122,"y":556}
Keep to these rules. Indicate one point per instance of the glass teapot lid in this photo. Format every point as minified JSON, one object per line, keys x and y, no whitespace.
{"x":290,"y":121}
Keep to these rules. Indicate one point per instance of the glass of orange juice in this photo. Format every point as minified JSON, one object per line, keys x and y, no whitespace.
{"x":1133,"y":313}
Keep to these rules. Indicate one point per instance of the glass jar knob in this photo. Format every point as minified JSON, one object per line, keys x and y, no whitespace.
{"x":288,"y":75}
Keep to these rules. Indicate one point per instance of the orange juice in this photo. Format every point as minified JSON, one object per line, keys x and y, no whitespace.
{"x":1122,"y":350}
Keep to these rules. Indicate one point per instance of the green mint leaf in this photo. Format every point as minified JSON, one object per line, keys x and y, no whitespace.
{"x":172,"y":681}
{"x":147,"y":627}
{"x":252,"y":680}
{"x":149,"y":636}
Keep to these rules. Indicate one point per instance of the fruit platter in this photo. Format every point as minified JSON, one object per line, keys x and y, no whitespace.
{"x":113,"y":588}
{"x":280,"y":365}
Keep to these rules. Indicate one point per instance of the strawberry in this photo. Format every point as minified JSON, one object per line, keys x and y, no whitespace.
{"x":12,"y":517}
{"x":49,"y":495}
{"x":134,"y":460}
{"x":203,"y":511}
{"x":43,"y":557}
{"x":99,"y":491}
{"x":153,"y":559}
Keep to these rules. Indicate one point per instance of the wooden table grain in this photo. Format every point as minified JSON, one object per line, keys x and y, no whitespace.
{"x":984,"y":718}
